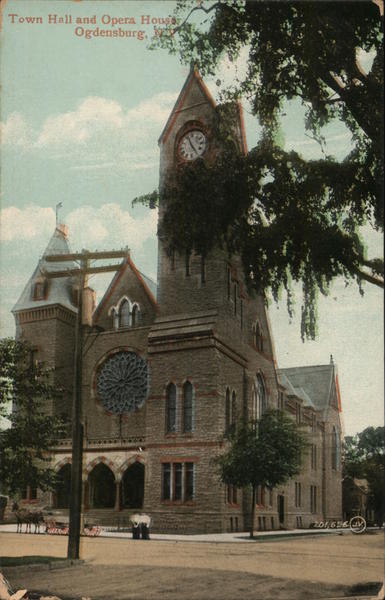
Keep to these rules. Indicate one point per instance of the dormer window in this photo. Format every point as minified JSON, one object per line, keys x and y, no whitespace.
{"x":39,"y":290}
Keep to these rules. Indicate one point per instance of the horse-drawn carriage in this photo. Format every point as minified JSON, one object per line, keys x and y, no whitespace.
{"x":44,"y":516}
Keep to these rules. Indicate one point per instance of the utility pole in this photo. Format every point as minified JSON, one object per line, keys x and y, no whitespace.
{"x":77,"y":425}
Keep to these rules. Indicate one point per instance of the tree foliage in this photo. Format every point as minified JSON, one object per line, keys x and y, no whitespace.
{"x":267,"y":452}
{"x":288,"y":217}
{"x":365,"y":459}
{"x":26,"y":389}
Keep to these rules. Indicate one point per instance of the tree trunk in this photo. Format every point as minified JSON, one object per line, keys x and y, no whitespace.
{"x":252,"y":512}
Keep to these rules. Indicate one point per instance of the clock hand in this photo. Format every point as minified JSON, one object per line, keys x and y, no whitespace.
{"x":192,"y":145}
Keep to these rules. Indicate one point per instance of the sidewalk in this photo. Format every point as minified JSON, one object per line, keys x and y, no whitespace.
{"x":218,"y":538}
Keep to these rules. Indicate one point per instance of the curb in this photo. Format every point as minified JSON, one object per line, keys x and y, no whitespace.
{"x":51,"y":566}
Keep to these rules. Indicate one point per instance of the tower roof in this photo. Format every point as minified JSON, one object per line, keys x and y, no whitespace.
{"x":193,"y":96}
{"x":56,"y":290}
{"x":193,"y":80}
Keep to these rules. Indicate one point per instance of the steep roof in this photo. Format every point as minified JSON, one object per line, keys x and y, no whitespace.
{"x":315,"y":382}
{"x":192,"y":78}
{"x":148,"y":284}
{"x":59,"y":290}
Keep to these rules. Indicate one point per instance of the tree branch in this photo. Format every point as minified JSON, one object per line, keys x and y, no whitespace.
{"x":199,"y":7}
{"x":369,"y":278}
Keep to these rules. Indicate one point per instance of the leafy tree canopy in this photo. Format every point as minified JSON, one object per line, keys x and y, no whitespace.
{"x":25,"y":445}
{"x":288,"y":217}
{"x":365,"y":458}
{"x":267,"y":452}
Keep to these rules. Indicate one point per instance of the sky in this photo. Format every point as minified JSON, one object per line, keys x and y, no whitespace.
{"x":80,"y":120}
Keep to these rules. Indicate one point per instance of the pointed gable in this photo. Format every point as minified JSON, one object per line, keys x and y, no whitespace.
{"x":128,"y":284}
{"x":41,"y":291}
{"x":193,"y":96}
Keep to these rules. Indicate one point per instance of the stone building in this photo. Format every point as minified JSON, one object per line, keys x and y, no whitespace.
{"x":169,"y":367}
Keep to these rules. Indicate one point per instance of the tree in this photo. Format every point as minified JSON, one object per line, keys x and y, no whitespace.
{"x":266,"y":452}
{"x":365,"y":458}
{"x":26,"y":389}
{"x":290,"y":219}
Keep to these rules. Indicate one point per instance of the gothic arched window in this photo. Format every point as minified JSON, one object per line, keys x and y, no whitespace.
{"x":171,"y":416}
{"x":258,"y":337}
{"x":233,"y":411}
{"x":227,"y":412}
{"x":260,"y":397}
{"x":124,"y":314}
{"x":253,"y":404}
{"x":135,"y":315}
{"x":187,"y":407}
{"x":115,"y":318}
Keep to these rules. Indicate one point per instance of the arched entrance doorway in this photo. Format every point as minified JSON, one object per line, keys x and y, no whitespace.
{"x":133,"y":486}
{"x":63,"y":487}
{"x":101,"y":487}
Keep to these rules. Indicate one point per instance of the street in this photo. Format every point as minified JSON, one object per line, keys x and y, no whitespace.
{"x":118,"y":569}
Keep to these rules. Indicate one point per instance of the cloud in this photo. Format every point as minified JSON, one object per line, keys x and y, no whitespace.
{"x":15,"y":131}
{"x":25,"y":224}
{"x":110,"y":227}
{"x":94,"y":114}
{"x":97,"y":118}
{"x":98,"y":134}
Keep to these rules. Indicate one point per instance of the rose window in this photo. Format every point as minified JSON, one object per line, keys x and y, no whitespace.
{"x":123,"y":383}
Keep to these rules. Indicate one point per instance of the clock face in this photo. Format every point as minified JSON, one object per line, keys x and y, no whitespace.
{"x":193,"y":144}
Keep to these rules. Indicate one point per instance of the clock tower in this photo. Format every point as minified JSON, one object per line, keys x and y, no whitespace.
{"x":190,"y":282}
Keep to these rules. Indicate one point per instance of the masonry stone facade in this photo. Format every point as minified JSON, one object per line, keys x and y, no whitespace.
{"x":167,"y":368}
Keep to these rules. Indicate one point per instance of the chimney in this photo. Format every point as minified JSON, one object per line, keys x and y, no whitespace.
{"x":63,"y":229}
{"x":89,"y":303}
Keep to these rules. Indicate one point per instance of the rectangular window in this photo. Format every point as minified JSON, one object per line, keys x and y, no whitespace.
{"x":166,"y":481}
{"x":314,"y":457}
{"x":232,"y":494}
{"x":298,"y":413}
{"x":178,"y":481}
{"x":297,"y":494}
{"x":314,"y":423}
{"x":189,"y":484}
{"x":313,"y":498}
{"x":261,"y":495}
